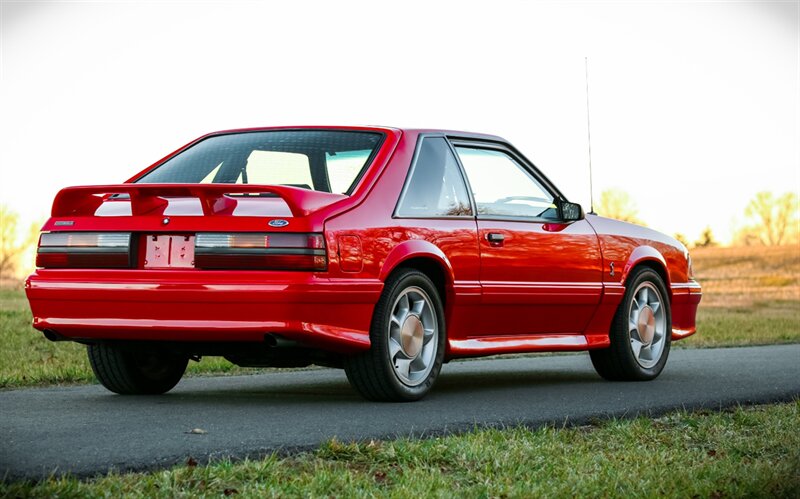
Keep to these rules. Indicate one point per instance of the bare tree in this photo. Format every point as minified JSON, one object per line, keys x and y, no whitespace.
{"x":681,"y":239}
{"x":11,"y":248}
{"x":616,"y":203}
{"x":706,"y":239}
{"x":9,"y":251}
{"x":774,"y":216}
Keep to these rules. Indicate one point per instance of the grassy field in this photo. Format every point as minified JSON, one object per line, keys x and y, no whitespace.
{"x":751,"y":297}
{"x":747,"y":452}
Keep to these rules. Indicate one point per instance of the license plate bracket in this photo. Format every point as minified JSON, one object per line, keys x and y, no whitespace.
{"x":166,"y":251}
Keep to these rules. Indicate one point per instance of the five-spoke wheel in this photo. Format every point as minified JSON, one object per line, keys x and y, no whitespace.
{"x":412,"y":336}
{"x":640,"y":333}
{"x":647,"y":325}
{"x":407,"y":337}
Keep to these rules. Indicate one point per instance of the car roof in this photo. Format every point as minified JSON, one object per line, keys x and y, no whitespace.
{"x":366,"y":128}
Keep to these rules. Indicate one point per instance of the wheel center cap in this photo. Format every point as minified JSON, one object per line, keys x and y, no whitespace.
{"x":411,"y":335}
{"x":646,"y":325}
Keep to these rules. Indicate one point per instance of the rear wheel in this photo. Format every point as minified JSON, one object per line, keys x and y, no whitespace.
{"x":136,"y":372}
{"x":640,"y":333}
{"x":408,"y":338}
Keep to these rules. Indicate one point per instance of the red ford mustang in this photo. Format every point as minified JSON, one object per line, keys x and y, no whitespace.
{"x":383,"y":251}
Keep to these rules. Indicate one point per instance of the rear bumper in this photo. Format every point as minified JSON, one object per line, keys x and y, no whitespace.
{"x":685,"y":299}
{"x":189,"y":305}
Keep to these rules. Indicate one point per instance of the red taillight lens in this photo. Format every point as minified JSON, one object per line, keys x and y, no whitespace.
{"x":84,"y":250}
{"x":260,"y":251}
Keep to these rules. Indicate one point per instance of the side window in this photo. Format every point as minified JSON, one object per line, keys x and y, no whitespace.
{"x":276,"y":168}
{"x":503,"y":187}
{"x":436,"y":187}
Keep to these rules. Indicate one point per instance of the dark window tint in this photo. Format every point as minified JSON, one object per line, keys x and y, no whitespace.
{"x":436,"y":187}
{"x":323,"y":160}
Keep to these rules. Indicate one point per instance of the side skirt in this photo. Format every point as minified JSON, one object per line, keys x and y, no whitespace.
{"x":492,"y":345}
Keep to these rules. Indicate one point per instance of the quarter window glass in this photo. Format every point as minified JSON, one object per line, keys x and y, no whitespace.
{"x":436,"y":187}
{"x":503,"y":187}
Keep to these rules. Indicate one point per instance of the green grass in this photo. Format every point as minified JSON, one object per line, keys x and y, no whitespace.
{"x":746,"y":452}
{"x":762,"y":323}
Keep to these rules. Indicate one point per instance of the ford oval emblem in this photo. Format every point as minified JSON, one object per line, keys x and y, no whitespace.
{"x":278,"y":222}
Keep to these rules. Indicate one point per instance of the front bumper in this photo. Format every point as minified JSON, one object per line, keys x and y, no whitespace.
{"x":196,"y":305}
{"x":685,"y":299}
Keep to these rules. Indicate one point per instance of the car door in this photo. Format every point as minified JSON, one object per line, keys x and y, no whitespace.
{"x":538,"y":274}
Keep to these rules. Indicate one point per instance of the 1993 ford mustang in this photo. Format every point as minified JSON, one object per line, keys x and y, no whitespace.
{"x":383,"y":251}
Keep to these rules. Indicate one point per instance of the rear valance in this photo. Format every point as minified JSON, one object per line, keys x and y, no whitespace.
{"x":149,"y":199}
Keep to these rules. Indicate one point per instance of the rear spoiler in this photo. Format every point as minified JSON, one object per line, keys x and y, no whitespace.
{"x":148,"y":199}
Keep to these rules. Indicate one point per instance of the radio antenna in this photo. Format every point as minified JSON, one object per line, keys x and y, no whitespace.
{"x":589,"y":138}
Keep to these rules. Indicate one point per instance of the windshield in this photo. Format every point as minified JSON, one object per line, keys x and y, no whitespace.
{"x":322,"y":160}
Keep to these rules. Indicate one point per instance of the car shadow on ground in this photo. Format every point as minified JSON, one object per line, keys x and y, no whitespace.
{"x":498,"y":380}
{"x":331,"y":386}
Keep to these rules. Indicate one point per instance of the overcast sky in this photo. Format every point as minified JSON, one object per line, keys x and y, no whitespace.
{"x":695,"y":107}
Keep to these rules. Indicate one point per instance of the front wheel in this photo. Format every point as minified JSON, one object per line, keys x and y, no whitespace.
{"x":136,"y":372}
{"x":407,"y":338}
{"x":640,"y":333}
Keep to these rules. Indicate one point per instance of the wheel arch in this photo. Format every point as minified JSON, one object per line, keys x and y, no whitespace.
{"x":426,"y":258}
{"x":647,"y":257}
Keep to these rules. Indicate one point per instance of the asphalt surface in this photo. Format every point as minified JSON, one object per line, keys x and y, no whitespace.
{"x":86,"y":430}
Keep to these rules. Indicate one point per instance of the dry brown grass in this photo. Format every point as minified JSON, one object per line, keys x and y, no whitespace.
{"x":745,"y":276}
{"x":751,"y":296}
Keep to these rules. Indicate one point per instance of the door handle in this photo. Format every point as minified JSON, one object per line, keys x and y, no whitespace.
{"x":495,"y":238}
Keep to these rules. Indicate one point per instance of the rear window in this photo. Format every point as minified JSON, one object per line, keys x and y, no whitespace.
{"x":322,"y":160}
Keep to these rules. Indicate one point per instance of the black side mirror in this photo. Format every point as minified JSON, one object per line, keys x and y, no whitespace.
{"x":570,"y":211}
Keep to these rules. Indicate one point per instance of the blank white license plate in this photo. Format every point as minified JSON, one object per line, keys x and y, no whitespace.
{"x":169,"y":251}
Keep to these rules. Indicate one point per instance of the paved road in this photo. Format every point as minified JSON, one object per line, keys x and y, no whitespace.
{"x":86,"y":430}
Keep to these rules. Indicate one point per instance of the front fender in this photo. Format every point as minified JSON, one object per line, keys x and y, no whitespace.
{"x":642,"y":254}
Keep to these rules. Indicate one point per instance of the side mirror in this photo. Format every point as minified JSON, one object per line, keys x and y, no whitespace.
{"x":570,"y":211}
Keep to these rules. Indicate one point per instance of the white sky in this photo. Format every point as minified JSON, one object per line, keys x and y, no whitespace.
{"x":695,"y":106}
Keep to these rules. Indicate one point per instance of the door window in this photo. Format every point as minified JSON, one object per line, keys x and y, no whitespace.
{"x":502,"y":187}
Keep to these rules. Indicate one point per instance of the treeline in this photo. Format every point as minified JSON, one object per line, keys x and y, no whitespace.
{"x":17,"y":246}
{"x":770,"y":220}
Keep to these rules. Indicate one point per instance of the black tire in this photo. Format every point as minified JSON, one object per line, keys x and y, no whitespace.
{"x":373,"y":373}
{"x":619,"y":361}
{"x":136,"y":372}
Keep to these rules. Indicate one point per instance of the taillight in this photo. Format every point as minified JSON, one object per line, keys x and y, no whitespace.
{"x":260,"y":251}
{"x":84,"y":250}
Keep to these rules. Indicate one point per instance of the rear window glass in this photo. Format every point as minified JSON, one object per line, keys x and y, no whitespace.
{"x":322,"y":160}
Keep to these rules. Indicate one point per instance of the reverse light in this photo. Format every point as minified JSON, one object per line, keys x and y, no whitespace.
{"x":264,"y":251}
{"x":87,"y":250}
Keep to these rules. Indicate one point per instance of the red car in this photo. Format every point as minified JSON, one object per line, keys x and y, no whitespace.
{"x":383,"y":251}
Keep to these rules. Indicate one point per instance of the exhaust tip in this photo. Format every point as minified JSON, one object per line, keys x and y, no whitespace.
{"x":273,"y":340}
{"x":52,"y":335}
